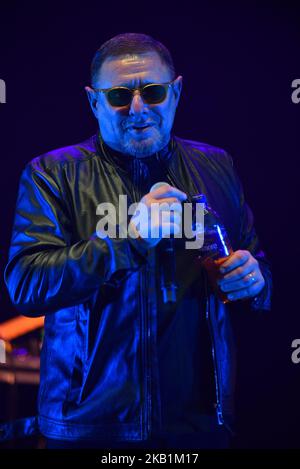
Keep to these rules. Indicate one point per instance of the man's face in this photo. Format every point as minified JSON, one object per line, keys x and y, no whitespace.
{"x":138,"y":129}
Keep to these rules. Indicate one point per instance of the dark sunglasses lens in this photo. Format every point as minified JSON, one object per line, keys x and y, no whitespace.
{"x":119,"y":97}
{"x":154,"y":94}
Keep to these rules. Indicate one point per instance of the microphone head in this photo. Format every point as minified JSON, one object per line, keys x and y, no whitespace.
{"x":157,"y":185}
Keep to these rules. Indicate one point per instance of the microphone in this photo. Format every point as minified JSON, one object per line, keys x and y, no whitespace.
{"x":168,"y":265}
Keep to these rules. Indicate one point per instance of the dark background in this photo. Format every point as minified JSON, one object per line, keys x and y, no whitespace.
{"x":238,"y":63}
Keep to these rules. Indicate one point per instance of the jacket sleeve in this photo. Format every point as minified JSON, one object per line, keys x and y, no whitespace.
{"x":45,"y":271}
{"x":249,"y":241}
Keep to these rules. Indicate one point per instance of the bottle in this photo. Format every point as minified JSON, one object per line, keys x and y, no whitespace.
{"x":216,"y":245}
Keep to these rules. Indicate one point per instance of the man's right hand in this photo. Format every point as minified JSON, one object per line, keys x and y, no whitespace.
{"x":157,"y":215}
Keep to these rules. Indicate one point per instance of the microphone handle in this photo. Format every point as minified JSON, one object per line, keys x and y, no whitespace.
{"x":168,"y":271}
{"x":168,"y":265}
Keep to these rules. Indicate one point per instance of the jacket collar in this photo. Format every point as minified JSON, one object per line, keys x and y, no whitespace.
{"x":126,"y":162}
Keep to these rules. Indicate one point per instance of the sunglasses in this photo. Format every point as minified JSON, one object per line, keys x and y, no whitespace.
{"x":152,"y":93}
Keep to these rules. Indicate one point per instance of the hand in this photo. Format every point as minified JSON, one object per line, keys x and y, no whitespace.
{"x":157,"y":215}
{"x":242,"y":277}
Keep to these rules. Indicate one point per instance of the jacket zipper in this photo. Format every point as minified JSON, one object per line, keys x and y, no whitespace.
{"x":146,"y":347}
{"x":216,"y":374}
{"x":219,"y":411}
{"x":146,"y":333}
{"x":173,"y":178}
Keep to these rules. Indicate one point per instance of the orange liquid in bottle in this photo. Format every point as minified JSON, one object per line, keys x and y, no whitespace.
{"x":212,"y":267}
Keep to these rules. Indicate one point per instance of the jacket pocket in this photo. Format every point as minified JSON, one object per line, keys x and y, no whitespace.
{"x":79,"y":358}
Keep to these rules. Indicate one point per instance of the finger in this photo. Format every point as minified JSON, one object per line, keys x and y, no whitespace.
{"x":172,"y":208}
{"x":170,"y":228}
{"x":243,"y":282}
{"x":168,"y":191}
{"x":248,"y":292}
{"x":170,"y":217}
{"x":169,"y":211}
{"x":168,"y":203}
{"x":156,"y":209}
{"x":235,"y":260}
{"x":237,"y":274}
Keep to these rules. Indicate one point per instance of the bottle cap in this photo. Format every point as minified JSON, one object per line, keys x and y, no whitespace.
{"x":199,"y":198}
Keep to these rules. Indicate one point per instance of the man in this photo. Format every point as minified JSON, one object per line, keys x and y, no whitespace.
{"x":120,"y":367}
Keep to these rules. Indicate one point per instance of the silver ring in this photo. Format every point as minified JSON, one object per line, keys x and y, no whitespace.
{"x":251,"y":276}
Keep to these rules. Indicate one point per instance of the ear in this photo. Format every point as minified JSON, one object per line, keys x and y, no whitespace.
{"x":92,"y":99}
{"x":177,"y":87}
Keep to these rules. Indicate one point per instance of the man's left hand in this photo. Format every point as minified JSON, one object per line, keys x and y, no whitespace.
{"x":242,"y":277}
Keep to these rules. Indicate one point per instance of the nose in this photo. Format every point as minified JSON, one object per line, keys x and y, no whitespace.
{"x":137,"y":105}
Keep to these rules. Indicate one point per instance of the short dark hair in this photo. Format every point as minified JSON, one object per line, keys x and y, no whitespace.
{"x":129,"y":43}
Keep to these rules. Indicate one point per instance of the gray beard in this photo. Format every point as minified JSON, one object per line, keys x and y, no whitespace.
{"x":143,"y":148}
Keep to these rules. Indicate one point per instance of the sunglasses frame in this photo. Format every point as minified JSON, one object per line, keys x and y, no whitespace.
{"x":132,"y":90}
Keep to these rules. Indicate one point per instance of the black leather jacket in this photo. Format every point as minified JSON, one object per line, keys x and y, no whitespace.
{"x":99,"y":298}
